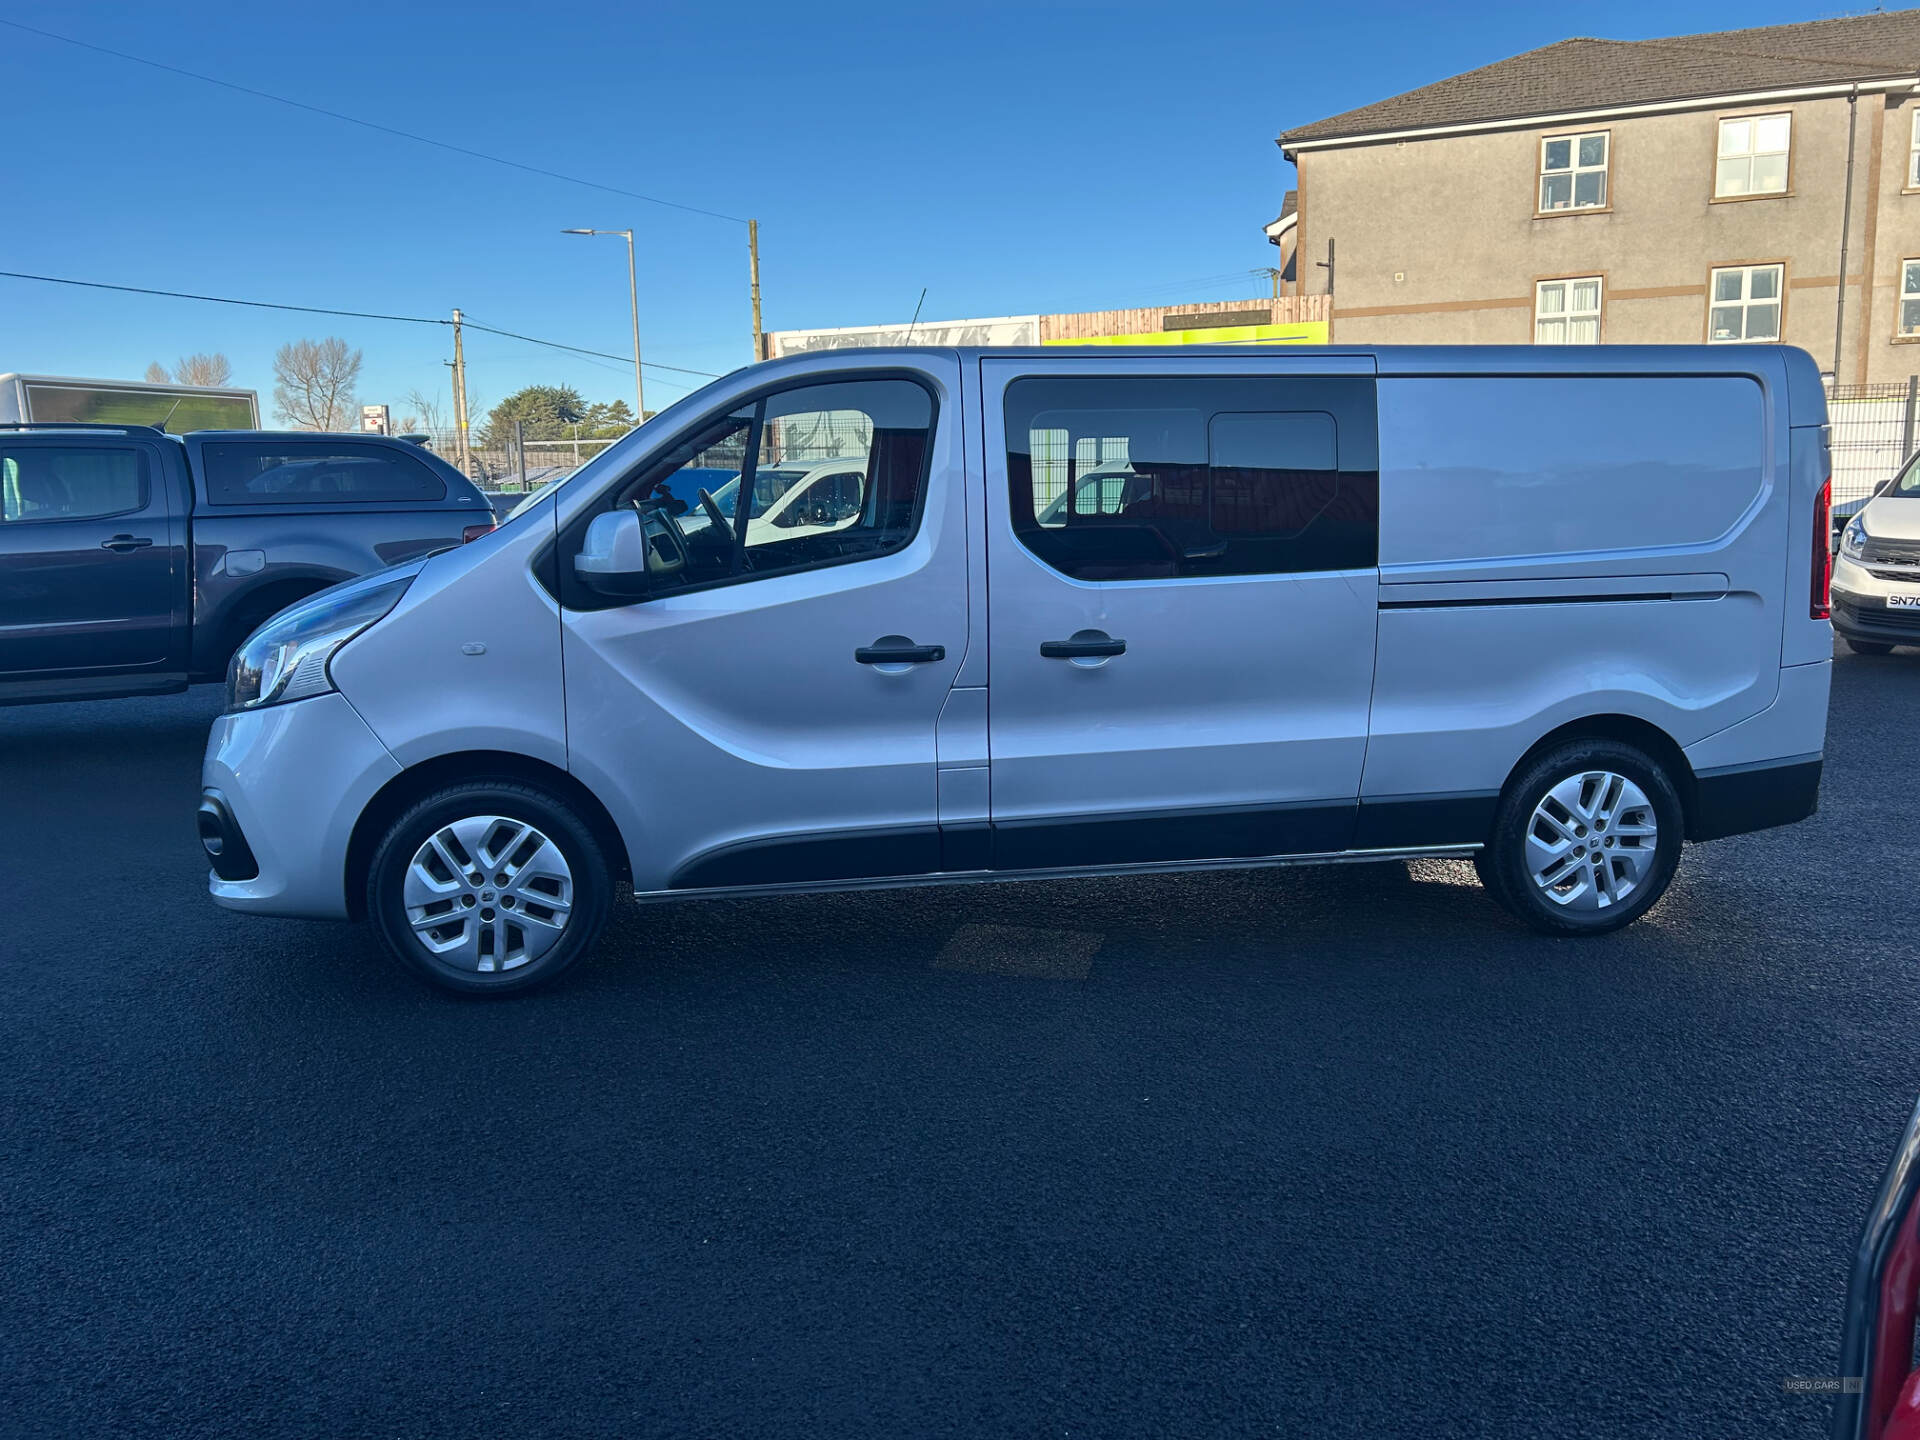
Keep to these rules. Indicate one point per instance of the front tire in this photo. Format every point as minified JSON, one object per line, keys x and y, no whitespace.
{"x":1867,"y":647}
{"x":489,"y":888}
{"x":1585,"y":840}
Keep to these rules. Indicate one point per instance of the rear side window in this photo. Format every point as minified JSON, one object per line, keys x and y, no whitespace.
{"x":78,"y":483}
{"x":252,"y":472}
{"x":1162,"y":478}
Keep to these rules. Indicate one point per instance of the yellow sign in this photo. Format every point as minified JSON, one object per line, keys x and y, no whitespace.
{"x":1306,"y":332}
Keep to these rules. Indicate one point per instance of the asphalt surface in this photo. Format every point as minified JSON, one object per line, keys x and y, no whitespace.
{"x":1308,"y":1152}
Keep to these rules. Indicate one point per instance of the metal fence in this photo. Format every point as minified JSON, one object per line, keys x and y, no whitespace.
{"x":1873,"y":431}
{"x":514,"y":468}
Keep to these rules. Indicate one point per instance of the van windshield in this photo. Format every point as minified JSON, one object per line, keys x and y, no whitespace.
{"x":1906,"y":485}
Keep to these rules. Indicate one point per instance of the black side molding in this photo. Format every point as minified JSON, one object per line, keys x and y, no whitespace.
{"x":1735,"y":799}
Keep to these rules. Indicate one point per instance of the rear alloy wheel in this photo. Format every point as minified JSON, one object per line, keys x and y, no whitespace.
{"x":1585,"y":840}
{"x":489,"y":888}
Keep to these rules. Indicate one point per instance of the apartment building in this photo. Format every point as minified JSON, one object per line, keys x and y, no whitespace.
{"x":1750,"y":185}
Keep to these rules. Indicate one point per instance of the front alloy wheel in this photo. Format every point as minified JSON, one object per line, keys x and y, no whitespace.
{"x":488,"y":894}
{"x":489,"y":887}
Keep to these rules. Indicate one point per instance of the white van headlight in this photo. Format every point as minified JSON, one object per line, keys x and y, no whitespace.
{"x":1853,"y":539}
{"x":286,"y":658}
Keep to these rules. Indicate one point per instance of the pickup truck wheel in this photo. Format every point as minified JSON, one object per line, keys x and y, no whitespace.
{"x":489,"y":888}
{"x":1585,"y":839}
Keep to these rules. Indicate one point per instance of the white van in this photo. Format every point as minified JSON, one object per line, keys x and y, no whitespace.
{"x":1876,"y":577}
{"x":1554,"y":609}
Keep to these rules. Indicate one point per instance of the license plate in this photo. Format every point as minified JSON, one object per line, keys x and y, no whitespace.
{"x":1903,"y":602}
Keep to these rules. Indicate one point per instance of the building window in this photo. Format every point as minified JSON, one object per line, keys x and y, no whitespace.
{"x":1567,"y":312}
{"x":1573,"y":172}
{"x":1910,"y":297}
{"x":1752,"y":156}
{"x":1746,"y":303}
{"x":1913,"y":155}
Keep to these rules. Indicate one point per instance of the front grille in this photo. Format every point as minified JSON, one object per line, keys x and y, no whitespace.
{"x":1877,"y":550}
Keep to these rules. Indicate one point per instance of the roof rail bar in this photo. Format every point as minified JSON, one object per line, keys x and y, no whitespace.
{"x":107,"y":427}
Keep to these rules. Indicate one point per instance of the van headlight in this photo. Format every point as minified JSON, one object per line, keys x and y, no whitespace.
{"x":286,"y":658}
{"x":1853,"y":539}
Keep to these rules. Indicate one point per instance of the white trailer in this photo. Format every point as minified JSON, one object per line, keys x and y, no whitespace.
{"x":44,"y":399}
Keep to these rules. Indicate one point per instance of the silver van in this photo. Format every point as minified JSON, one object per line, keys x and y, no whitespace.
{"x":1553,"y":609}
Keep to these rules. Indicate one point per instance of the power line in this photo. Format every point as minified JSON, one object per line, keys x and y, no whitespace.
{"x":367,"y":124}
{"x":349,"y":314}
{"x":556,"y":345}
{"x":221,"y":299}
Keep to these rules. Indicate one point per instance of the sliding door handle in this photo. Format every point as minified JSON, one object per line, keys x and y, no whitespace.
{"x":1085,"y":645}
{"x":898,"y":650}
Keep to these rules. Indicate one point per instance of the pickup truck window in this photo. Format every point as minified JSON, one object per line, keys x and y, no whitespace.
{"x":283,"y":473}
{"x":82,"y":483}
{"x":1163,"y":478}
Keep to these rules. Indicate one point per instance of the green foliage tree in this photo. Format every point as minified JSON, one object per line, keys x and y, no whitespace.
{"x":554,"y":412}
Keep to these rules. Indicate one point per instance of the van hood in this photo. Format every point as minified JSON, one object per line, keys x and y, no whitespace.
{"x":1893,"y":517}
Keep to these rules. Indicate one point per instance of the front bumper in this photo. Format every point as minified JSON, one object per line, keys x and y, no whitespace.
{"x":1860,"y":605}
{"x":293,"y":780}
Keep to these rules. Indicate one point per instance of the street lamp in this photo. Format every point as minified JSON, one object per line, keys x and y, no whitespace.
{"x":633,"y":291}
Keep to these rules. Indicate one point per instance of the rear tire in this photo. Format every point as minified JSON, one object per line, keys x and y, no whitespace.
{"x":1867,"y":647}
{"x":492,"y":887}
{"x":1585,"y":840}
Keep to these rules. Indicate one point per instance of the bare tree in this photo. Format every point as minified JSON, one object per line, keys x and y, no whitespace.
{"x":315,"y":383}
{"x":210,"y":370}
{"x":157,"y":374}
{"x":423,"y":412}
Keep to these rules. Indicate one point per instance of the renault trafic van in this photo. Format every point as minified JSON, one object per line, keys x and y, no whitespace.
{"x":1553,"y":609}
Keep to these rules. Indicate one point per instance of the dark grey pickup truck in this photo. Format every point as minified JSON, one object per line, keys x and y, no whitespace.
{"x":133,"y":562}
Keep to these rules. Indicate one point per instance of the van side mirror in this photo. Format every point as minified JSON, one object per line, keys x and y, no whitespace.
{"x":622,"y":553}
{"x":1885,"y":485}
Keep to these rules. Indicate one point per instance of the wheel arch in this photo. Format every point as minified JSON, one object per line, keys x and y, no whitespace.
{"x":1629,"y":730}
{"x":462,"y":767}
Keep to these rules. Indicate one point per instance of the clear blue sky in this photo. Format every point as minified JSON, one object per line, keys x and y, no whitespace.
{"x":1010,"y":158}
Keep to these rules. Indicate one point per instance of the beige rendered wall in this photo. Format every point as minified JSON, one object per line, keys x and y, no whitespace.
{"x":1438,"y":241}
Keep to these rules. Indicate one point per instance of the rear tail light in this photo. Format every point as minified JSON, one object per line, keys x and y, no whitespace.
{"x":474,"y":532}
{"x":1819,"y":606}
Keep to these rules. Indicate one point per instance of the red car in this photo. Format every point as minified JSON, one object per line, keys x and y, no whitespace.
{"x":1883,"y":1299}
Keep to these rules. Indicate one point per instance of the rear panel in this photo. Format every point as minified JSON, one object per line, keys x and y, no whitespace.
{"x":1604,"y":534}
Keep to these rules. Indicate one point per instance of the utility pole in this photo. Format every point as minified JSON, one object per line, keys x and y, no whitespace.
{"x":753,"y":273}
{"x":460,"y":396}
{"x":633,"y":296}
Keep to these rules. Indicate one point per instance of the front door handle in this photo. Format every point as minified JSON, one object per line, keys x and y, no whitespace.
{"x":898,"y":650}
{"x":1085,"y":645}
{"x":126,"y":543}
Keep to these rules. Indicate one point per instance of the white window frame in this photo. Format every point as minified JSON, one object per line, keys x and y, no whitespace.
{"x":1747,"y":301}
{"x":1909,"y":295}
{"x":1913,"y":153}
{"x":1566,"y":315}
{"x":1721,"y":155}
{"x":1573,"y":170}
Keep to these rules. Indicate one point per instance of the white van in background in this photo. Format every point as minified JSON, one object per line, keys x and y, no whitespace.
{"x":1876,"y":576}
{"x":1555,"y":609}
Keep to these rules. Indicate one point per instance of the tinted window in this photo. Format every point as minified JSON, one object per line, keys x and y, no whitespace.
{"x":279,"y":473}
{"x":44,"y":483}
{"x":1144,"y":479}
{"x":811,"y":476}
